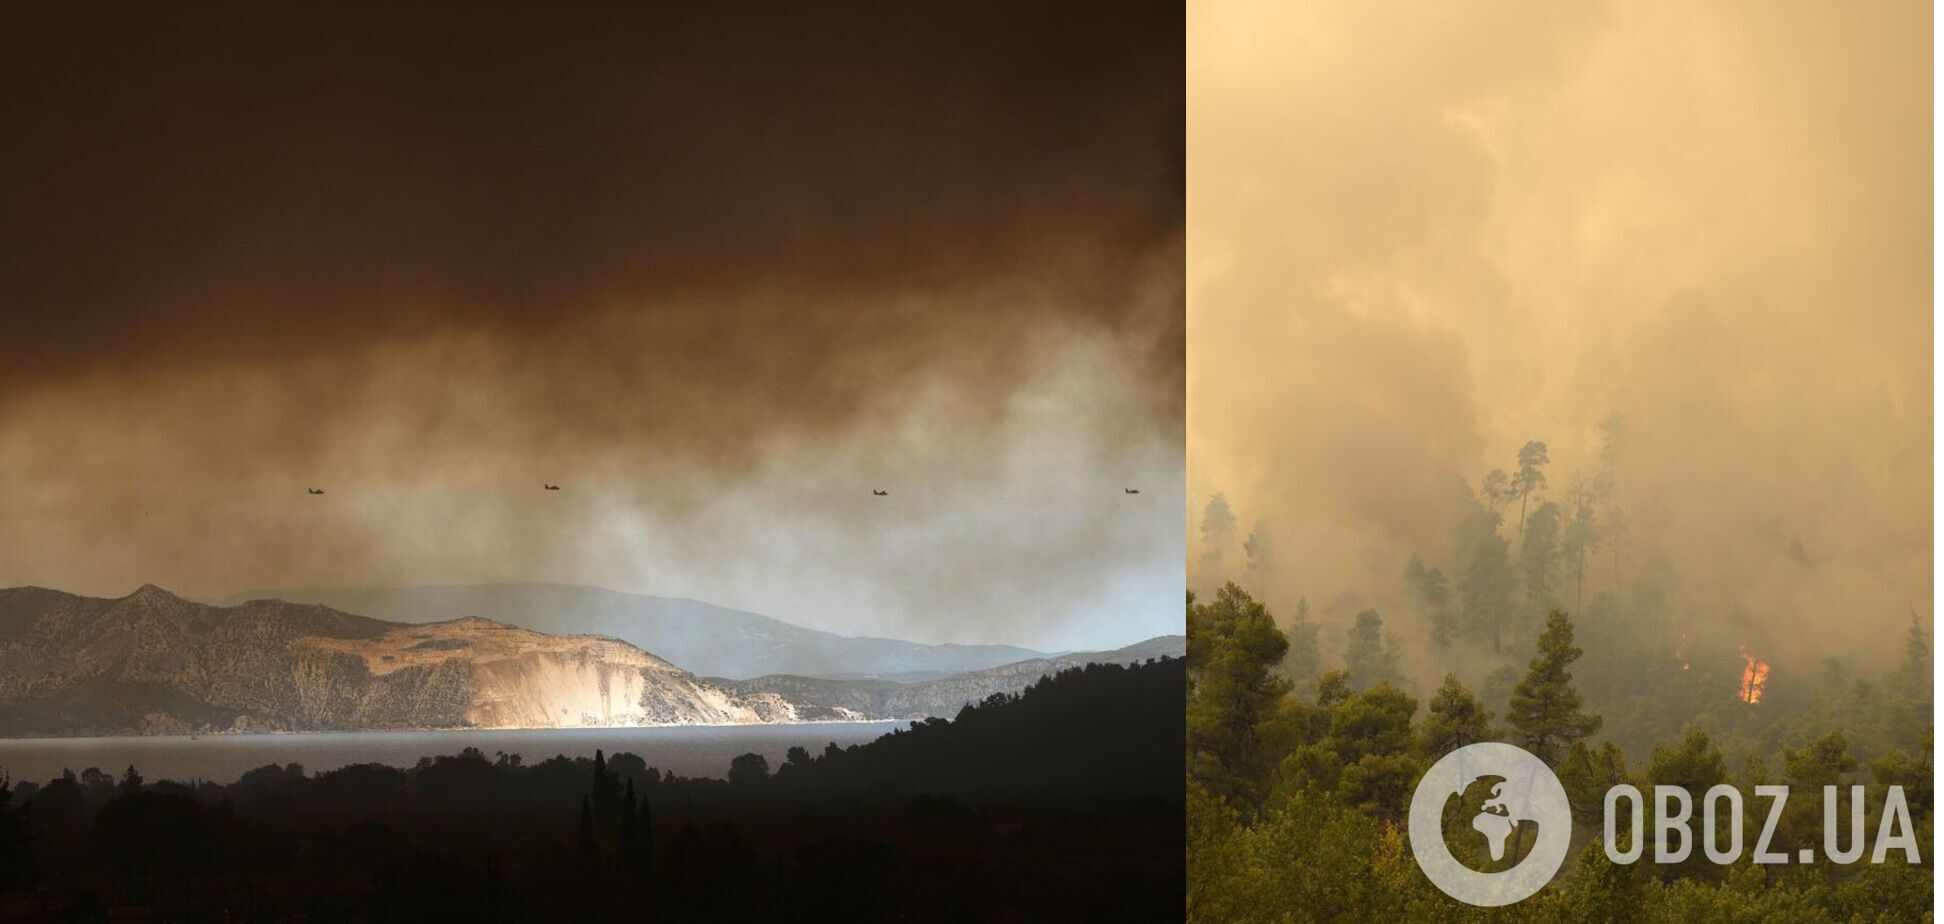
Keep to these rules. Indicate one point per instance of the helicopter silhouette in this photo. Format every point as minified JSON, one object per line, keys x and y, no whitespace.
{"x":1131,"y":490}
{"x":550,"y":487}
{"x":877,"y":493}
{"x":315,"y":490}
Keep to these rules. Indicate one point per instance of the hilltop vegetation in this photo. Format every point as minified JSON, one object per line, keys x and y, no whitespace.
{"x":1299,"y":778}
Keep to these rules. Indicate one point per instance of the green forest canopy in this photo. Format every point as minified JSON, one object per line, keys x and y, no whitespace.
{"x":1297,"y":792}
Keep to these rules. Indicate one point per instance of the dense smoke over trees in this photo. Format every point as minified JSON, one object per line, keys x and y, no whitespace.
{"x":1613,"y":310}
{"x":1657,"y":245}
{"x":1217,"y":533}
{"x":1473,"y":599}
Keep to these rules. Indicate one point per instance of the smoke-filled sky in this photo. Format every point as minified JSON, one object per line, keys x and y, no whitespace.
{"x":1421,"y":235}
{"x":718,"y":273}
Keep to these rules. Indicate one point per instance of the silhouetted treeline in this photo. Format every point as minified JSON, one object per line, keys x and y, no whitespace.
{"x":1062,"y":802}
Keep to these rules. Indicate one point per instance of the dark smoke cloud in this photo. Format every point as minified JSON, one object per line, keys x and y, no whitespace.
{"x":227,"y":183}
{"x":675,"y":253}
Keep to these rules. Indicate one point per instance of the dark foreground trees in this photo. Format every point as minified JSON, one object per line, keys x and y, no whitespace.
{"x":1063,"y":802}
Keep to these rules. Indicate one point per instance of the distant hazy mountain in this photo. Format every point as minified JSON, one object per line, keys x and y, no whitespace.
{"x":709,"y":640}
{"x":153,"y":662}
{"x":944,"y":697}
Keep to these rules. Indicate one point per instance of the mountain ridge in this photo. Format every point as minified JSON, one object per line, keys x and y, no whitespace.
{"x":943,"y":697}
{"x":711,"y":640}
{"x":154,"y":662}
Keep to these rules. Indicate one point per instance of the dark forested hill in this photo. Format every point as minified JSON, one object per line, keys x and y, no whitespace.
{"x":1088,"y":730}
{"x":945,"y":696}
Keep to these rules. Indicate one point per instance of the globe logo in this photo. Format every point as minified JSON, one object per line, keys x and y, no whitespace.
{"x":1490,"y":824}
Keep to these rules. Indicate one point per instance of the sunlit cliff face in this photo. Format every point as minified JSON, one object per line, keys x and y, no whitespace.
{"x":1419,"y":240}
{"x":717,"y":275}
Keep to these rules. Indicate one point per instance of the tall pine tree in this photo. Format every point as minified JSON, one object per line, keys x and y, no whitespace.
{"x":1302,"y":659}
{"x":1232,"y":644}
{"x":1545,"y":707}
{"x":1371,"y":656}
{"x":1488,"y":589}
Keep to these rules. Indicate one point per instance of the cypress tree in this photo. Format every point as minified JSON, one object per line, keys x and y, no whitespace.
{"x":588,"y":848}
{"x":606,"y":798}
{"x":626,"y":854}
{"x":645,"y":839}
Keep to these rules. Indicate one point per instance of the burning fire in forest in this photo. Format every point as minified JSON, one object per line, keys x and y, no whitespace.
{"x":1755,"y":673}
{"x":1678,"y":656}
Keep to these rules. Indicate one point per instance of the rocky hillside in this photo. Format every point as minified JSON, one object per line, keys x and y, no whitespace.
{"x":945,"y":696}
{"x":153,"y":662}
{"x":710,"y":640}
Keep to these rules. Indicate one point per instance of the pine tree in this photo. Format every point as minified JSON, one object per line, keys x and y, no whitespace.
{"x":1695,"y":765}
{"x":1539,"y":553}
{"x":1333,"y":689}
{"x":1582,"y":536}
{"x":1824,"y":761}
{"x":1488,"y":589}
{"x":1261,"y":560}
{"x":1217,"y":532}
{"x":1302,"y":658}
{"x":1530,"y":480}
{"x":1428,"y":585}
{"x":1587,"y":773}
{"x":1232,"y":644}
{"x":1372,"y":658}
{"x":1545,"y":706}
{"x":1455,"y":718}
{"x":1497,"y":489}
{"x":1914,"y":678}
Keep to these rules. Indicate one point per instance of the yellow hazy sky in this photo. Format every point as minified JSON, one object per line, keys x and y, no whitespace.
{"x":1420,"y":235}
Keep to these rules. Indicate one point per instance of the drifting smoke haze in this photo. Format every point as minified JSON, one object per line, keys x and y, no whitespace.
{"x":1453,"y":230}
{"x":717,"y":273}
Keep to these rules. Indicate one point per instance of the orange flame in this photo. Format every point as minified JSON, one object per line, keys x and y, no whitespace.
{"x":1678,"y":656}
{"x":1755,"y":673}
